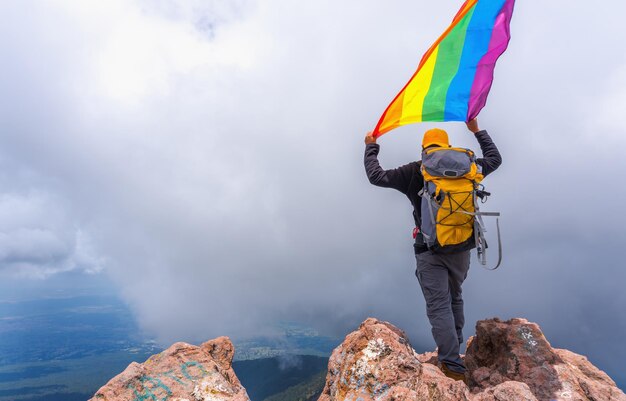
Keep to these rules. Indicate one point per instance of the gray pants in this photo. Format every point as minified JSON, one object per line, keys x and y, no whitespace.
{"x":440,"y":277}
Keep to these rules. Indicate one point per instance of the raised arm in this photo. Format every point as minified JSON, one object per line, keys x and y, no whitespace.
{"x":491,"y":159}
{"x":398,"y":178}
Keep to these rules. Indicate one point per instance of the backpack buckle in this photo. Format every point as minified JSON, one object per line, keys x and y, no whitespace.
{"x":483,"y":195}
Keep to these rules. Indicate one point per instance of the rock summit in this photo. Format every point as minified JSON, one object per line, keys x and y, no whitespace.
{"x":506,"y":360}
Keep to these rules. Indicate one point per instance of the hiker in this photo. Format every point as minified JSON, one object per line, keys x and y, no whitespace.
{"x":440,"y":272}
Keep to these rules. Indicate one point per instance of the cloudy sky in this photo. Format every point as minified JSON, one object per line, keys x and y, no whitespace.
{"x":206,"y":158}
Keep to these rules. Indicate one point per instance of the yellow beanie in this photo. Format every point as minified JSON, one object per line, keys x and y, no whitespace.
{"x":435,"y":136}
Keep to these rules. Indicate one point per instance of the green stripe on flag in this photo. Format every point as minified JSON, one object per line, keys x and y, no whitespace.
{"x":448,"y":60}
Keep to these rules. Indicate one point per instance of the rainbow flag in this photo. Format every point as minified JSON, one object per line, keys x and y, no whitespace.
{"x":455,"y":75}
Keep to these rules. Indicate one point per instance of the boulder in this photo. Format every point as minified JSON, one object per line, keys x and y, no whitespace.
{"x":183,"y":372}
{"x":517,"y":351}
{"x":377,"y":362}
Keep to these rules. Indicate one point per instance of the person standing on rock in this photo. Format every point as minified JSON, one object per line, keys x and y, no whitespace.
{"x":440,"y":274}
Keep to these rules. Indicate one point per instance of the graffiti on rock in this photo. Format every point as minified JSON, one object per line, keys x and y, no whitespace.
{"x":154,"y":387}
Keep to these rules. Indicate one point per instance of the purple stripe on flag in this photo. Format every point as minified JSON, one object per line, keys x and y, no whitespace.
{"x":484,"y":72}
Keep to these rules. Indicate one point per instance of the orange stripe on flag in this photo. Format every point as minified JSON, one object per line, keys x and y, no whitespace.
{"x":392,"y":115}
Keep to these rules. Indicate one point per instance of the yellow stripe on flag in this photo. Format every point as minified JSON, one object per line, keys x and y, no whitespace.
{"x":415,"y":92}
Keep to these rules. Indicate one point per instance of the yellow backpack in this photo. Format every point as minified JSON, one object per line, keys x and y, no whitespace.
{"x":451,"y":219}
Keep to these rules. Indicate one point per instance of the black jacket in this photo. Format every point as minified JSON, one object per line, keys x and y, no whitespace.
{"x":408,"y":178}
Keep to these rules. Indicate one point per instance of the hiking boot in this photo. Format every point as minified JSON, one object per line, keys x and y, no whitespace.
{"x":452,"y":374}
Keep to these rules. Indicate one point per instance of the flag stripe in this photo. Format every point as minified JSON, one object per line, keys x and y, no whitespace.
{"x":447,"y":65}
{"x":415,"y":93}
{"x":480,"y":28}
{"x":484,"y":73}
{"x":394,"y":114}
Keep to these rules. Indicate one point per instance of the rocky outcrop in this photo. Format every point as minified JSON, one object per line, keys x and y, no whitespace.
{"x":517,"y":350}
{"x":183,"y":372}
{"x":507,"y":361}
{"x":377,"y":362}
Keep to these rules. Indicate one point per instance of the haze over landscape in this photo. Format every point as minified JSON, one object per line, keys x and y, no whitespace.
{"x":201,"y":161}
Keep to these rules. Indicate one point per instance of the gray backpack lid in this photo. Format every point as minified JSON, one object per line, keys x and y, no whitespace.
{"x":449,"y":163}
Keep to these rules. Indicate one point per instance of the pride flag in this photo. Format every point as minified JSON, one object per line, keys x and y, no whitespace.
{"x":455,"y":75}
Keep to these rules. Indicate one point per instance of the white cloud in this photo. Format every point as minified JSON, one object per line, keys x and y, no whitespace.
{"x":38,"y":240}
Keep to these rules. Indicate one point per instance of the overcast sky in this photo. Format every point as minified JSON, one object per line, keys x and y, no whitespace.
{"x":206,"y":157}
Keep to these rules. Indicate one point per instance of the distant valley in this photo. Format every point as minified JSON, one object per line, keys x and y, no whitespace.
{"x":64,"y":349}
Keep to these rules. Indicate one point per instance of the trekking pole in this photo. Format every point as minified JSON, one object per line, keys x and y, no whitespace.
{"x":481,"y":241}
{"x":499,"y":247}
